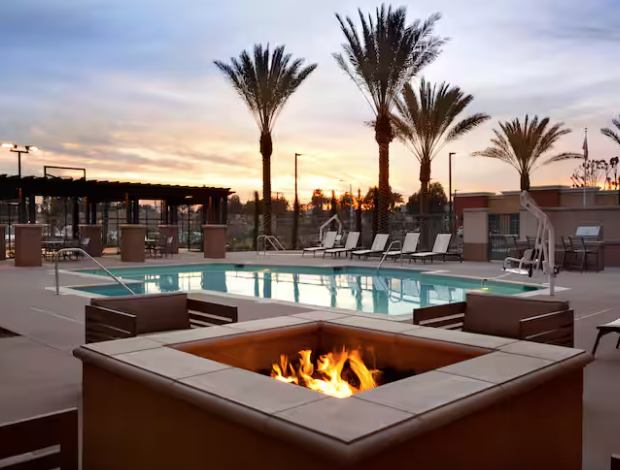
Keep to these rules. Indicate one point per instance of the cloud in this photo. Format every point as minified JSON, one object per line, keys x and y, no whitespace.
{"x":128,"y":88}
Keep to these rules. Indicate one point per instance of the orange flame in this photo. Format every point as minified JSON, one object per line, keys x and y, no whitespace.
{"x":328,"y":375}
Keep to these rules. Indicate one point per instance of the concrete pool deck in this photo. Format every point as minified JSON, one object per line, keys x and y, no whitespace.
{"x":39,"y":375}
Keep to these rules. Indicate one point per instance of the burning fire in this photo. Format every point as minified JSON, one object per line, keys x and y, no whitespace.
{"x":327,"y":377}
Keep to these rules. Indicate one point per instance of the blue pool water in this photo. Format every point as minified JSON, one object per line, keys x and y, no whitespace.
{"x":392,"y":291}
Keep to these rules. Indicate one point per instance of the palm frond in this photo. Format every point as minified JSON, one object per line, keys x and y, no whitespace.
{"x":563,"y":156}
{"x":523,"y":144}
{"x":385,"y":53}
{"x":265,"y":81}
{"x":612,"y":134}
{"x":425,"y":119}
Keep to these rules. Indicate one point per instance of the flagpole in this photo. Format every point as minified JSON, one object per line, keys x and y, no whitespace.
{"x":585,"y":165}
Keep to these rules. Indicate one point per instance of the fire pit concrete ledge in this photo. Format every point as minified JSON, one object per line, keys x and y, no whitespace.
{"x":487,"y":398}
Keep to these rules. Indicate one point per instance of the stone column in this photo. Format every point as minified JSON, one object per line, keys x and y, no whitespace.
{"x":28,"y":245}
{"x":166,"y":231}
{"x":476,"y":235}
{"x":132,"y":243}
{"x":3,"y":242}
{"x":95,"y":243}
{"x":214,"y":237}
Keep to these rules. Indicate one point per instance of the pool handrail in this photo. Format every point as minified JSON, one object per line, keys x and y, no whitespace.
{"x":388,"y":250}
{"x":80,"y":250}
{"x":273,"y":240}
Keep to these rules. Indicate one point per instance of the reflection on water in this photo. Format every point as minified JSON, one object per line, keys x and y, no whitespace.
{"x":392,"y":292}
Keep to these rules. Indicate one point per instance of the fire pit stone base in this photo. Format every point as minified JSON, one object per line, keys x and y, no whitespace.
{"x":522,"y":400}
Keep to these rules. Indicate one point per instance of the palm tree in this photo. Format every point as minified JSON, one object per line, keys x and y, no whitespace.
{"x":611,"y":133}
{"x":523,"y":145}
{"x":265,"y":82}
{"x":425,"y":122}
{"x":386,"y":55}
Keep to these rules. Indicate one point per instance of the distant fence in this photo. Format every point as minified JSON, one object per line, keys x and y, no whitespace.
{"x":241,"y":228}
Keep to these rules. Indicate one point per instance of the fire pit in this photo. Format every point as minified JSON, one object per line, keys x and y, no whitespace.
{"x":330,"y":390}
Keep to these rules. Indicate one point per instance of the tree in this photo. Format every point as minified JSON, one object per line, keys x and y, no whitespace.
{"x":523,"y":145}
{"x":386,"y":55}
{"x":596,"y":173}
{"x":280,"y":206}
{"x":426,"y":121}
{"x":318,"y":200}
{"x":612,"y":134}
{"x":234,"y":205}
{"x":436,"y":196}
{"x":394,"y":198}
{"x":265,"y":82}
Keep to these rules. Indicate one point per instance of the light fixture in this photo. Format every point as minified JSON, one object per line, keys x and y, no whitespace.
{"x":32,"y":148}
{"x":8,"y":145}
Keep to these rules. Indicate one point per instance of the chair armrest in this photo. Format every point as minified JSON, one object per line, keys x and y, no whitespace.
{"x":440,"y":316}
{"x":552,"y":328}
{"x":202,"y":313}
{"x":104,"y":324}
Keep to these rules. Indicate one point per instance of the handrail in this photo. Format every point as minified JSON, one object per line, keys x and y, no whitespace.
{"x":269,"y":238}
{"x":333,"y":218}
{"x":388,"y":249}
{"x":80,"y":250}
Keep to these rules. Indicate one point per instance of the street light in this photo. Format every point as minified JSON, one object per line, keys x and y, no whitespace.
{"x":19,"y":150}
{"x":450,"y":189}
{"x":296,"y":207}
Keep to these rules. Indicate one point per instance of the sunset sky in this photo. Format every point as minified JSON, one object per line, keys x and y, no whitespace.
{"x":128,"y":89}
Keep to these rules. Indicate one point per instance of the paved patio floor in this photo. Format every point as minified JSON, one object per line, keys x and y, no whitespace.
{"x":38,"y":374}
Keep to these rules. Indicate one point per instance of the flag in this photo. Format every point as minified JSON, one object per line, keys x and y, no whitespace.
{"x":585,"y":147}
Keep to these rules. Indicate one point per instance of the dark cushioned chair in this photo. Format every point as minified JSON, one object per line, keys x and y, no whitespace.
{"x":124,"y":317}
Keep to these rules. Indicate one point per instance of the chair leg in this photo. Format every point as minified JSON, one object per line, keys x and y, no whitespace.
{"x":618,"y":344}
{"x":598,"y":339}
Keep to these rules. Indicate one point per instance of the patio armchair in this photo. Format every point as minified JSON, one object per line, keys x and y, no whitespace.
{"x":524,"y":318}
{"x":165,"y":248}
{"x":109,"y":318}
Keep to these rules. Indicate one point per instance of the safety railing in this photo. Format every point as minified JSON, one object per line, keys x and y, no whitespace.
{"x":79,"y":250}
{"x":273,"y":241}
{"x":395,"y":242}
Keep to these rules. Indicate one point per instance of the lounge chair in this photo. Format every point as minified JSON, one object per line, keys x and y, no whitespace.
{"x":378,"y":246}
{"x":410,"y":245}
{"x":611,"y":327}
{"x":440,"y":248}
{"x":527,"y":263}
{"x":350,"y":245}
{"x":328,"y":242}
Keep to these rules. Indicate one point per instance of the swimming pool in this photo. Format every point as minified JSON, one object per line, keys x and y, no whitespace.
{"x":391,"y":291}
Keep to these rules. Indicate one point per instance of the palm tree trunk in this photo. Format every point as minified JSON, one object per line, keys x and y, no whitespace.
{"x":525,"y":181}
{"x":383,"y":136}
{"x":266,"y":149}
{"x":425,"y":177}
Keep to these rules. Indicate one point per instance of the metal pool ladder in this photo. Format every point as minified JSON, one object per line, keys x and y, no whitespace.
{"x":79,"y":250}
{"x":388,"y":249}
{"x":273,"y":241}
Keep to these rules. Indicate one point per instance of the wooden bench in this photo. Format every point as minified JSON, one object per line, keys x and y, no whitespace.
{"x":20,"y":438}
{"x":128,"y":316}
{"x":525,"y":318}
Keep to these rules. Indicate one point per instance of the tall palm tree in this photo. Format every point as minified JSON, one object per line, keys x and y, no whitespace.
{"x":380,"y":59}
{"x":611,"y":133}
{"x":265,"y":82}
{"x":523,"y":145}
{"x":426,"y":121}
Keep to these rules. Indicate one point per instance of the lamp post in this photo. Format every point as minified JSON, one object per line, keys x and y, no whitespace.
{"x":19,"y":150}
{"x":450,"y":189}
{"x":296,"y":207}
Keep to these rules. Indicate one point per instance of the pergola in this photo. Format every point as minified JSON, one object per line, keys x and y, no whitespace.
{"x":93,"y":192}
